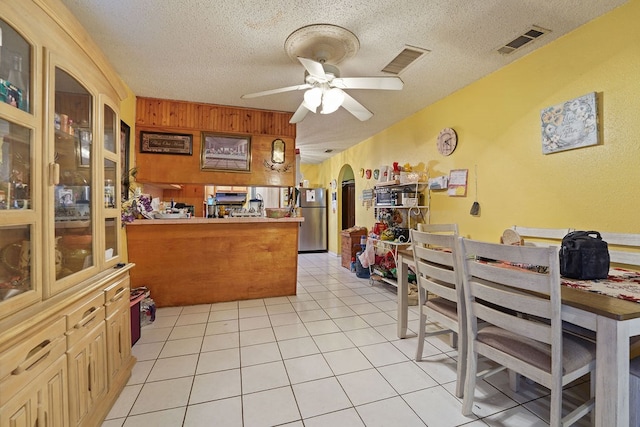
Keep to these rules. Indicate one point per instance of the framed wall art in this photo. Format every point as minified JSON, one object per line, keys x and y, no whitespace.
{"x":166,"y":143}
{"x":226,"y":152}
{"x":572,"y":124}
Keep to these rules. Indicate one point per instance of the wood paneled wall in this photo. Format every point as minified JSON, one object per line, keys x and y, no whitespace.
{"x":169,"y":116}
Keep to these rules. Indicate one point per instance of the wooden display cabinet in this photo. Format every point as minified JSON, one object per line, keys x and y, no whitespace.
{"x":60,"y":229}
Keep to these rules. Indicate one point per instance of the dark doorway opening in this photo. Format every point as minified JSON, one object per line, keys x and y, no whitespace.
{"x":348,"y":204}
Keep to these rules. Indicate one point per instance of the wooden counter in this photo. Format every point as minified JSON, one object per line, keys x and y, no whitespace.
{"x":201,"y":260}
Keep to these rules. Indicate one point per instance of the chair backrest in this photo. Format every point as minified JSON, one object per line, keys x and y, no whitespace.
{"x":541,"y":236}
{"x":435,"y":259}
{"x":624,"y":248}
{"x":439,"y":228}
{"x":502,"y":282}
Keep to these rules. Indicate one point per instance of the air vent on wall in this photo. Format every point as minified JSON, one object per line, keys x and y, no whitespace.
{"x":405,"y":58}
{"x":529,"y":36}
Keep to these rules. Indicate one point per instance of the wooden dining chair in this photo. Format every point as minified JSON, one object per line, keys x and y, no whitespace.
{"x":439,"y":289}
{"x":503,"y":287}
{"x":536,"y":236}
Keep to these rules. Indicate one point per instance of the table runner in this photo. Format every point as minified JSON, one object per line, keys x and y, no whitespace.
{"x":621,"y":283}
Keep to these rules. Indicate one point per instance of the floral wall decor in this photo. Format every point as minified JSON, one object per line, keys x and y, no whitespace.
{"x":572,"y":124}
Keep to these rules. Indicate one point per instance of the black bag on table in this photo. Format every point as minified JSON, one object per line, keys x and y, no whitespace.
{"x":584,"y":255}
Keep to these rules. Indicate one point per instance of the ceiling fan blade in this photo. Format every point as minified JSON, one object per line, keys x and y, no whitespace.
{"x":314,"y":68}
{"x":355,"y":108}
{"x":300,"y":114}
{"x":386,"y":83}
{"x":274,"y":91}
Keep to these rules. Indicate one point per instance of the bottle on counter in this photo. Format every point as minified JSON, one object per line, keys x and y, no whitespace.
{"x":211,"y":207}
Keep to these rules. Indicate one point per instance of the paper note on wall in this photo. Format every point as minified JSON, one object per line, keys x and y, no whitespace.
{"x":311,"y":195}
{"x":458,"y":183}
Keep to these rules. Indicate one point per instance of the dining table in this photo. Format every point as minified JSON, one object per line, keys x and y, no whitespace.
{"x":614,"y":319}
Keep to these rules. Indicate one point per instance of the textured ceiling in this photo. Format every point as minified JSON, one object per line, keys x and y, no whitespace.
{"x":215,"y":51}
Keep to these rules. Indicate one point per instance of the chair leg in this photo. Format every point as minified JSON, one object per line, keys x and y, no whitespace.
{"x":470,"y":383}
{"x":592,"y":394}
{"x":555,"y":416}
{"x":462,"y":366}
{"x":514,"y":381}
{"x":421,"y":333}
{"x":453,"y":340}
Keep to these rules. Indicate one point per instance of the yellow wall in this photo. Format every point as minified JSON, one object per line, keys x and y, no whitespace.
{"x":310,"y":173}
{"x":128,"y":111}
{"x":498,"y":124}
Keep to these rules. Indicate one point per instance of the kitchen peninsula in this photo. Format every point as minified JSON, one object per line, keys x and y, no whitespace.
{"x":205,"y":260}
{"x":202,"y":260}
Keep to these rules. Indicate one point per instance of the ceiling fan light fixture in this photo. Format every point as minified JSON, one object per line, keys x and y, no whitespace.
{"x":332,"y":100}
{"x":313,"y":98}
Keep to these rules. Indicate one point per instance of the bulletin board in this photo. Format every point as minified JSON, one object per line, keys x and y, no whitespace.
{"x":458,"y":182}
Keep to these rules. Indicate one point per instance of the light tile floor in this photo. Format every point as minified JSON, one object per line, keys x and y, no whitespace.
{"x":327,"y":357}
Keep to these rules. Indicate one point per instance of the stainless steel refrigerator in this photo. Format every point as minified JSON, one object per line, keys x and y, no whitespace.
{"x":313,"y":230}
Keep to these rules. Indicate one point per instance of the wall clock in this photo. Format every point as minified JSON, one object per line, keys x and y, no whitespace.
{"x":447,"y":141}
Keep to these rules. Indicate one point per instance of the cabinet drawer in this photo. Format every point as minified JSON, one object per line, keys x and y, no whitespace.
{"x":26,"y":361}
{"x":83,"y":317}
{"x":115,"y":294}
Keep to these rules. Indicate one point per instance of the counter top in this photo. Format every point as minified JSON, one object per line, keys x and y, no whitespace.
{"x":200,"y":220}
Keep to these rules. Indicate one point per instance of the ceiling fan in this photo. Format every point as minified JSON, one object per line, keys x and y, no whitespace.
{"x":329,"y":45}
{"x":324,"y":89}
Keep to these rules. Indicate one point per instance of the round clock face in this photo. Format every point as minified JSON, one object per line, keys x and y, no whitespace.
{"x":447,"y":141}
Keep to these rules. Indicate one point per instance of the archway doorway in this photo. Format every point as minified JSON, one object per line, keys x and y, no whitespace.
{"x":347,"y":202}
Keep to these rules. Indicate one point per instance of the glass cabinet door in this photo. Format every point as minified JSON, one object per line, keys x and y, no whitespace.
{"x":16,"y":179}
{"x":18,"y":217}
{"x":111,"y":172}
{"x":73,"y":128}
{"x":15,"y":67}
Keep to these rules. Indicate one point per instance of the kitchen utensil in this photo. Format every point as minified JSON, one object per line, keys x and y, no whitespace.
{"x":475,"y":208}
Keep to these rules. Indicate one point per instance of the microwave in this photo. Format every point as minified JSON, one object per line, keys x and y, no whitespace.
{"x":385,"y":197}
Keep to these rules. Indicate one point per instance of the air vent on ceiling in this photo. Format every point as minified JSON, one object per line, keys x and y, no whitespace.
{"x":529,"y":36}
{"x":405,"y":58}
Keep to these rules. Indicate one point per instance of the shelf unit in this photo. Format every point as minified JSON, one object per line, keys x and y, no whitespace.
{"x":395,"y":186}
{"x":390,"y":247}
{"x":407,"y":211}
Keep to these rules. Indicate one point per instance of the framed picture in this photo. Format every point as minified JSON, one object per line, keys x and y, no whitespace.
{"x":125,"y":135}
{"x":226,"y":152}
{"x":572,"y":124}
{"x":166,"y":143}
{"x":277,"y":151}
{"x":66,"y":197}
{"x":84,"y":148}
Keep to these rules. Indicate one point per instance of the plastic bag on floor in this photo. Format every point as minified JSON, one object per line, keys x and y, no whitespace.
{"x":147,"y":311}
{"x":368,"y":256}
